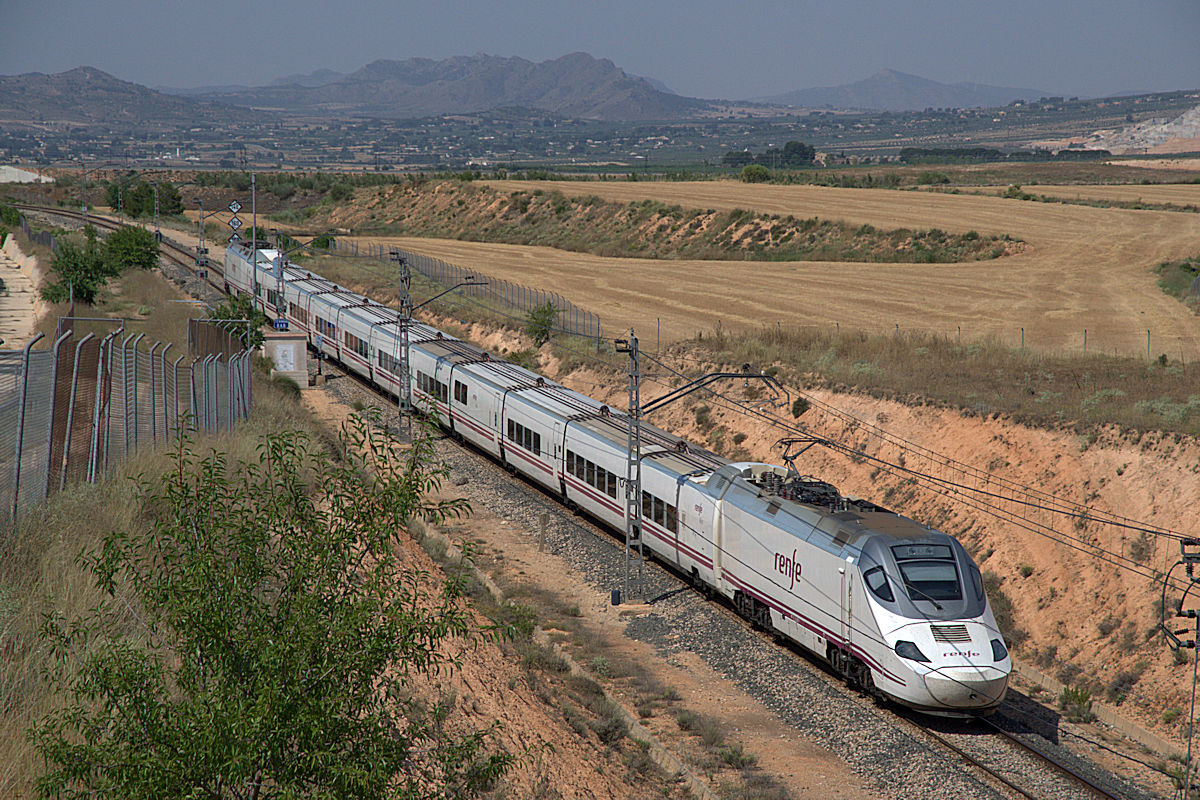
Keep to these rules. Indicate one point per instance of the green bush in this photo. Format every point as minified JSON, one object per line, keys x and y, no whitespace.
{"x":1076,"y":704}
{"x":260,"y":658}
{"x":755,"y":173}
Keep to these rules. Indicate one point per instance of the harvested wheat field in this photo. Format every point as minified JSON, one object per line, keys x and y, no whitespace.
{"x":1179,"y":194}
{"x":1084,"y":269}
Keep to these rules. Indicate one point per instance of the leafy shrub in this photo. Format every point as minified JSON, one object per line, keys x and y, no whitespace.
{"x":755,"y":173}
{"x":1076,"y":704}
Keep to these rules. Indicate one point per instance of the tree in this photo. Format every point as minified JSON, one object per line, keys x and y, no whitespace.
{"x":130,"y":247}
{"x":138,"y":199}
{"x":755,"y":173}
{"x":540,"y":323}
{"x":240,"y":307}
{"x":798,"y":154}
{"x":282,"y":635}
{"x":82,"y":271}
{"x":737,"y":158}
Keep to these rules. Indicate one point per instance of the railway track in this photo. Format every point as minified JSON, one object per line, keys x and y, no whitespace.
{"x":1034,"y":786}
{"x":177,"y":254}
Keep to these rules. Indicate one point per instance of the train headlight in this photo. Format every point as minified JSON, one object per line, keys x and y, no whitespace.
{"x":910,"y":651}
{"x":999,"y":651}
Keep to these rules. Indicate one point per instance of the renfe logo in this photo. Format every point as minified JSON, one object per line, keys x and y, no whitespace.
{"x":788,"y":567}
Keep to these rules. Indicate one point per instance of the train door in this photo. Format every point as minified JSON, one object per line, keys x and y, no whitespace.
{"x":557,"y":451}
{"x":847,"y":594}
{"x":673,"y":524}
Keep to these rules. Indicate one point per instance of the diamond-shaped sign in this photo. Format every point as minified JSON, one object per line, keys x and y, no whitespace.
{"x":235,"y":223}
{"x":233,"y":237}
{"x":235,"y":207}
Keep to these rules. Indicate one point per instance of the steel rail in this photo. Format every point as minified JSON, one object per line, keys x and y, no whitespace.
{"x":1073,"y":774}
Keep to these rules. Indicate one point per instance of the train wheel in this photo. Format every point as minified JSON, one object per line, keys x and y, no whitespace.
{"x":699,"y":585}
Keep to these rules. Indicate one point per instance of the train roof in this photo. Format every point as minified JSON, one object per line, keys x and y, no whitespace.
{"x":805,"y":506}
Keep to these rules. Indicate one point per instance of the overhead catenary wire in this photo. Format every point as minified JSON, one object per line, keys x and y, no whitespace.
{"x":953,"y":490}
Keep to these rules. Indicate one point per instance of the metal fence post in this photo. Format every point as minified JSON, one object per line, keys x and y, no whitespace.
{"x":101,"y":402}
{"x":175,"y":391}
{"x":66,"y":457}
{"x":153,"y":412}
{"x":166,"y":420}
{"x":54,"y":409}
{"x":21,"y":423}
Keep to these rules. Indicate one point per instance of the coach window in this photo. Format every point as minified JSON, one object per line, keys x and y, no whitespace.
{"x":611,"y":489}
{"x":672,"y":522}
{"x":660,"y":515}
{"x":647,"y":505}
{"x":591,"y":474}
{"x":460,"y":392}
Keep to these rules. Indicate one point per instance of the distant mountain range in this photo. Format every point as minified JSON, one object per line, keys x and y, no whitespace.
{"x":889,"y":90}
{"x":575,"y":85}
{"x":86,"y":95}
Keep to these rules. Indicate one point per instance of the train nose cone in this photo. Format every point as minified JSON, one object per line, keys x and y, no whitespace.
{"x":967,"y":688}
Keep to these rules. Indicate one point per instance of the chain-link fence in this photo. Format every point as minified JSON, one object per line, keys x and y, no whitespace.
{"x":571,"y":318}
{"x":44,"y":238}
{"x":69,"y":411}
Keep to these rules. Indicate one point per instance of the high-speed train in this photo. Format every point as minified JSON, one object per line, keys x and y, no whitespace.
{"x":897,"y":608}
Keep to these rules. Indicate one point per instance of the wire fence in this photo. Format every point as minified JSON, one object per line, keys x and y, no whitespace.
{"x":570,"y":319}
{"x":70,"y":411}
{"x":44,"y":238}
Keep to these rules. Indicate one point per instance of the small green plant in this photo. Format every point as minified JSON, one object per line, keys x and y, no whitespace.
{"x":799,"y":406}
{"x":1076,"y":704}
{"x":1141,"y":548}
{"x":1169,"y":715}
{"x":1026,"y":570}
{"x":735,"y":755}
{"x":540,"y":323}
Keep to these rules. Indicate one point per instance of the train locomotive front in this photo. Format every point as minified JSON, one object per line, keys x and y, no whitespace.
{"x":934,"y":622}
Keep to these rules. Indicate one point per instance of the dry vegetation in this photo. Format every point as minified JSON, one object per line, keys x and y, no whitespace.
{"x":646,"y":228}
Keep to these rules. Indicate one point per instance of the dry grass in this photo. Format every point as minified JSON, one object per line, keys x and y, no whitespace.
{"x":648,"y":228}
{"x":981,"y":378}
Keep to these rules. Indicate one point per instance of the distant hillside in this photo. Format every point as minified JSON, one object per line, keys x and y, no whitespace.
{"x":319,"y":77}
{"x":86,"y":95}
{"x":576,"y":85}
{"x":889,"y":90}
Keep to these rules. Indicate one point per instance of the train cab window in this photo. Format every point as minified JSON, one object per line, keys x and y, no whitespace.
{"x":976,"y":580}
{"x":460,"y":393}
{"x":929,"y":572}
{"x":877,"y":582}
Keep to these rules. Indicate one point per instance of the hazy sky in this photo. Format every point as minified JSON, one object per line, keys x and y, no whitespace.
{"x":702,"y":48}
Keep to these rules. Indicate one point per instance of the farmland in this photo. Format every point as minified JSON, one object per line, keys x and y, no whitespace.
{"x":1083,"y":269}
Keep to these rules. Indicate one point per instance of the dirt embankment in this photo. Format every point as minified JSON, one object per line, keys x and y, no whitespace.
{"x":646,"y":228}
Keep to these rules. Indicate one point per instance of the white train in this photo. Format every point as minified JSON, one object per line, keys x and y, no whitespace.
{"x":895,"y":607}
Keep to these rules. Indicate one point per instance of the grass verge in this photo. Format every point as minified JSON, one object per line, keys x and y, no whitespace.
{"x":982,"y":378}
